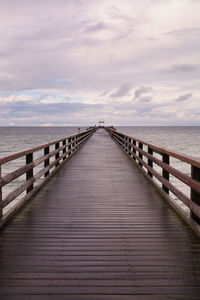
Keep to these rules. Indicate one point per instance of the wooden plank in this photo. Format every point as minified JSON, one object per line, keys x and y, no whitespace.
{"x":98,"y":230}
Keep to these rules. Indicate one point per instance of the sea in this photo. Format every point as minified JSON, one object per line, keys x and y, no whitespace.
{"x":183,"y":139}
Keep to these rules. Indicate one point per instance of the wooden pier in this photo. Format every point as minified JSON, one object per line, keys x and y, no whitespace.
{"x":97,"y":230}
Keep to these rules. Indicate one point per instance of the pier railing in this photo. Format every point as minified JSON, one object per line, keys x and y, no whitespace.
{"x":149,"y":157}
{"x":48,"y":161}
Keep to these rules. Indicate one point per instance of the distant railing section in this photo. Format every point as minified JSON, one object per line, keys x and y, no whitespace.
{"x":143,"y":153}
{"x":62,"y":150}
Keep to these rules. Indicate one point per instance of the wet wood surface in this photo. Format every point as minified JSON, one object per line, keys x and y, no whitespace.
{"x":98,"y":230}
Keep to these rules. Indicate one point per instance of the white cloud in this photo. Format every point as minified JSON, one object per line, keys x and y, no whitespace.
{"x":72,"y":51}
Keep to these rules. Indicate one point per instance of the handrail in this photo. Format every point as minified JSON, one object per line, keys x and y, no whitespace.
{"x":164,"y":150}
{"x":64,"y":148}
{"x":134,"y":148}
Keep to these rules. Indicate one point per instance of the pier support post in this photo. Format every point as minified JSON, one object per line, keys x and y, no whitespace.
{"x":46,"y":162}
{"x":165,"y":174}
{"x":195,"y":197}
{"x":29,"y":174}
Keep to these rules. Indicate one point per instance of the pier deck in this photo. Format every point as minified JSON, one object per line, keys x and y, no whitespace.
{"x":98,"y":230}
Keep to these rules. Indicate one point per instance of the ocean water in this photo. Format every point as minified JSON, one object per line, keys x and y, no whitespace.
{"x":182,"y":139}
{"x":13,"y":139}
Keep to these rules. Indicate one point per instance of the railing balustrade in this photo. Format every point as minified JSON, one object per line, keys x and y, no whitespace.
{"x":147,"y":161}
{"x":51,"y":160}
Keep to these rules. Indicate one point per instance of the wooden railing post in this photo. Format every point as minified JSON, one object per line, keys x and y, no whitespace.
{"x":126,"y":145}
{"x":124,"y":142}
{"x":165,"y":174}
{"x":76,"y":143}
{"x":73,"y":145}
{"x":69,"y":147}
{"x":81,"y":136}
{"x":64,"y":150}
{"x":118,"y":139}
{"x":129,"y":147}
{"x":150,"y":163}
{"x":195,"y":197}
{"x":140,"y":154}
{"x":57,"y":154}
{"x":134,"y":151}
{"x":1,"y":202}
{"x":29,"y":174}
{"x":46,"y":162}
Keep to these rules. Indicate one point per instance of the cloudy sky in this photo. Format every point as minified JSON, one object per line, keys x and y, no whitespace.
{"x":74,"y":62}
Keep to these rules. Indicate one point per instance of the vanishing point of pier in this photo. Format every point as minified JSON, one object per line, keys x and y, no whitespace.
{"x":98,"y":229}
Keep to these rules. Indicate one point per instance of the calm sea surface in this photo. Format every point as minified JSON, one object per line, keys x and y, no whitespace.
{"x":182,"y":139}
{"x":14,"y":139}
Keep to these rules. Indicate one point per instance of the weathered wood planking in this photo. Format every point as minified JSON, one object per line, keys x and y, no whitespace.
{"x":98,"y":230}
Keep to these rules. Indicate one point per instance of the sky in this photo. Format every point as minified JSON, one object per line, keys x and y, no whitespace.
{"x":75,"y":62}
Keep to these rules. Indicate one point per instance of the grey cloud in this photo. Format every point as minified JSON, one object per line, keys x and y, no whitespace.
{"x":96,"y":27}
{"x":142,"y":90}
{"x":22,"y":108}
{"x":122,"y":91}
{"x":140,"y":107}
{"x":182,"y":68}
{"x":184,"y":97}
{"x":145,"y":99}
{"x":184,"y":31}
{"x":104,"y":93}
